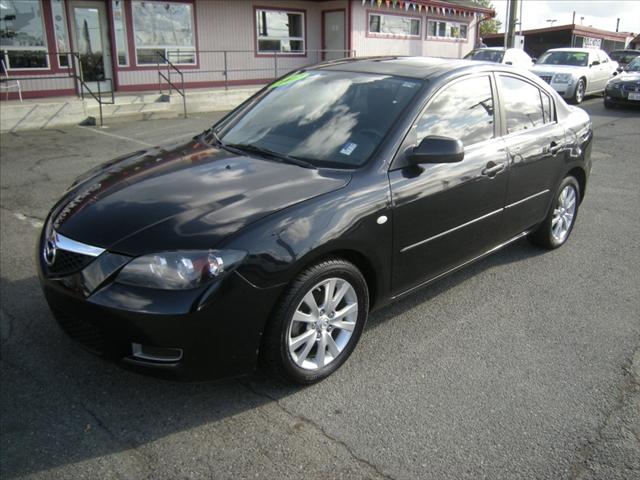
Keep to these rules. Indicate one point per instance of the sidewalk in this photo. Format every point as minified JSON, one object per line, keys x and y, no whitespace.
{"x":55,"y":112}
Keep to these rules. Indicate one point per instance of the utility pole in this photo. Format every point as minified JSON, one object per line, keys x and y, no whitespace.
{"x":618,"y":25}
{"x":511,"y":25}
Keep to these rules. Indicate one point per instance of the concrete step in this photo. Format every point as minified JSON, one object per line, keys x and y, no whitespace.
{"x":33,"y":114}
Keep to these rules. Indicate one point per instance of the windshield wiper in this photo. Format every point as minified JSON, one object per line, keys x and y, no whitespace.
{"x":246,"y":147}
{"x":202,"y":139}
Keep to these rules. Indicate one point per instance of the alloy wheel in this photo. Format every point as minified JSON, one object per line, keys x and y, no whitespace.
{"x":322,"y":323}
{"x":564,"y":213}
{"x":580,"y":91}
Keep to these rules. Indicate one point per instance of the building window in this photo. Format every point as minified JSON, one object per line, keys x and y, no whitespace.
{"x":446,"y":29}
{"x":22,"y":38}
{"x":120,"y":32}
{"x":60,"y":32}
{"x":280,"y":31}
{"x":394,"y":25}
{"x":164,"y":30}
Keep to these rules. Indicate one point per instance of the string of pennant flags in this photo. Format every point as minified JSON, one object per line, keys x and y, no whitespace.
{"x":419,"y":7}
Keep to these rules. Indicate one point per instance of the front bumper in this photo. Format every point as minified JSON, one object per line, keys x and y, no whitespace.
{"x":620,"y":97}
{"x":565,"y":90}
{"x":209,"y":333}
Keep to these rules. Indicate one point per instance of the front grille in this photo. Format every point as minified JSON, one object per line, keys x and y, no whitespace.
{"x":69,"y":262}
{"x":630,"y":87}
{"x":85,"y":333}
{"x":546,"y":78}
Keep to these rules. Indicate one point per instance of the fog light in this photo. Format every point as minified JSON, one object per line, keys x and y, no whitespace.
{"x":156,"y":354}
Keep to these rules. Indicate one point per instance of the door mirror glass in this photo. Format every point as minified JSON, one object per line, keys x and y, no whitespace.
{"x":436,"y":149}
{"x":594,"y":63}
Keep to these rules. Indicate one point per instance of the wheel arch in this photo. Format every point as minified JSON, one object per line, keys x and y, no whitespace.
{"x":358,"y":258}
{"x":579,"y":174}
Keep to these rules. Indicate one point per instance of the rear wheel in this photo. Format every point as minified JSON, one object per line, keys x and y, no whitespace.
{"x":557,"y":227}
{"x":317,"y":323}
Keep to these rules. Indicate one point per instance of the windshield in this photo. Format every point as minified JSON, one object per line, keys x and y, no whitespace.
{"x":327,"y":118}
{"x":575,"y":59}
{"x":624,"y":57}
{"x":485,"y":55}
{"x":634,"y":66}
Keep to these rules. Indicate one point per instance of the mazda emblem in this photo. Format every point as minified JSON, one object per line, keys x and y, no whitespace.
{"x":50,"y":249}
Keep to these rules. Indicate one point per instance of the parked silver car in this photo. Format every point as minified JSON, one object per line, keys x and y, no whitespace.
{"x":510,"y":56}
{"x":575,"y":72}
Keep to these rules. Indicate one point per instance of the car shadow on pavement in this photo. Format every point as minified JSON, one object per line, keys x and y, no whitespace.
{"x":61,"y":405}
{"x":519,"y":251}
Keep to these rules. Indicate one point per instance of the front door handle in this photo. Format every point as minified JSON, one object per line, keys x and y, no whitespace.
{"x":492,"y":169}
{"x":554,"y":148}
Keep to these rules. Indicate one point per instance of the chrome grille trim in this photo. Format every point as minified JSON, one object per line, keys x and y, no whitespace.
{"x":65,"y":243}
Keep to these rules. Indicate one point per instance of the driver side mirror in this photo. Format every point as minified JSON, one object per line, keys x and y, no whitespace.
{"x":594,"y":63}
{"x":436,"y":149}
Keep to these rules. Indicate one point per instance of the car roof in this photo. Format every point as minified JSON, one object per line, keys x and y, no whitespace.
{"x":414,"y":67}
{"x":582,"y":50}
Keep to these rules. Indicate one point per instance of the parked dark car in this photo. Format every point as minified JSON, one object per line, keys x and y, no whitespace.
{"x":624,"y":57}
{"x":328,"y":194}
{"x":625,"y":88}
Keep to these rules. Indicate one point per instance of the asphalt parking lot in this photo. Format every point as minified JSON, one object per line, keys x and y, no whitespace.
{"x":524,"y":365}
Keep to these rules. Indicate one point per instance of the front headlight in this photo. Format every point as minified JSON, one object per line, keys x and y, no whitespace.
{"x":179,"y":270}
{"x":562,"y":78}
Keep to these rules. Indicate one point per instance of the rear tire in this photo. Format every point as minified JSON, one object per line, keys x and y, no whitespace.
{"x":608,"y":104}
{"x":556,"y":228}
{"x":317,"y":323}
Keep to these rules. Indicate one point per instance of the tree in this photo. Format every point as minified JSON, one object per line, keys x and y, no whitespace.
{"x":488,"y":26}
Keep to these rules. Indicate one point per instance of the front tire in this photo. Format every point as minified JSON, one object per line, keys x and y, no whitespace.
{"x":558,"y":225}
{"x":317,"y":323}
{"x":578,"y":95}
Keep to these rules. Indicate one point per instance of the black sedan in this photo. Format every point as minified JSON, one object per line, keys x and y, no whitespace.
{"x":333,"y":191}
{"x":624,"y":89}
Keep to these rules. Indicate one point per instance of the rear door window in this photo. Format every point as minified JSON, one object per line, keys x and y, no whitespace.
{"x":522,"y":104}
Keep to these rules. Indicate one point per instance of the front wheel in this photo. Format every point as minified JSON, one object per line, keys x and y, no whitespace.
{"x":317,"y":323}
{"x":557,"y":227}
{"x":578,"y":96}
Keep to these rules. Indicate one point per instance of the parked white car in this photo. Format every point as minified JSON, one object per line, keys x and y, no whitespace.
{"x":510,"y":56}
{"x":575,"y":72}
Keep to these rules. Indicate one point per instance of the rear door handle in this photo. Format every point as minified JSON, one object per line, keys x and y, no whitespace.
{"x":554,"y":148}
{"x":492,"y":169}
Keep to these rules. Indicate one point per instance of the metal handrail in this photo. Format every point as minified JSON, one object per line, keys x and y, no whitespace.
{"x":226,"y":70}
{"x":167,"y":78}
{"x":83,"y":86}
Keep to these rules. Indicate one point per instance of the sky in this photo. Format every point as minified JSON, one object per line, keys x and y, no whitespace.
{"x":597,"y":13}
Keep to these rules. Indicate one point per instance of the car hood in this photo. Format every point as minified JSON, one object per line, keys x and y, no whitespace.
{"x":625,"y":77}
{"x":551,"y":69}
{"x":185,"y":196}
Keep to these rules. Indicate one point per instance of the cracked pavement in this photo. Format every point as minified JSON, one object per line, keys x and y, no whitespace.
{"x":524,"y":365}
